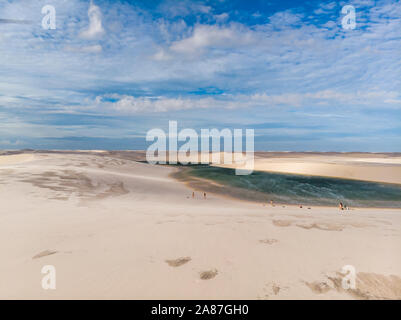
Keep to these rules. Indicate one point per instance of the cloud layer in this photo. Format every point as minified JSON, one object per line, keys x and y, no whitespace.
{"x":206,"y":63}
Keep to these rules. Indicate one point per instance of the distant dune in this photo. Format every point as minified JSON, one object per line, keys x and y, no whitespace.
{"x":379,"y":167}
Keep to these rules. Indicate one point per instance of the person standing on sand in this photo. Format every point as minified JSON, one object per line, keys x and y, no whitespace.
{"x":204,"y":195}
{"x":340,"y":206}
{"x":193,"y":194}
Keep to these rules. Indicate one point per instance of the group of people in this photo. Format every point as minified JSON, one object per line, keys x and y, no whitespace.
{"x":341,"y":206}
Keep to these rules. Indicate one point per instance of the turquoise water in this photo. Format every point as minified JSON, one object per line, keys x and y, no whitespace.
{"x":299,"y":189}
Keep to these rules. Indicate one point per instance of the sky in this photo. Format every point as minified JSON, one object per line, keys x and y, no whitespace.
{"x":111,"y":71}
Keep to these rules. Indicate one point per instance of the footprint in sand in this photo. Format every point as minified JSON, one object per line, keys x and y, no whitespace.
{"x":282,"y":223}
{"x":207,"y":275}
{"x":271,"y":289}
{"x":178,"y":262}
{"x":318,"y":287}
{"x":44,"y":254}
{"x":276,"y":289}
{"x":268,"y":241}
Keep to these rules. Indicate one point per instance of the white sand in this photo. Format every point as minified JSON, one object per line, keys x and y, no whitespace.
{"x":15,"y":159}
{"x":369,"y":168}
{"x":113,"y":224}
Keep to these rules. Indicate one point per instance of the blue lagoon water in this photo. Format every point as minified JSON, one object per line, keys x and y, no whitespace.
{"x":299,"y":189}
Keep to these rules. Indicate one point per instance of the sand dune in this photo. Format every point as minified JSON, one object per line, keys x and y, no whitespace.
{"x":15,"y":159}
{"x":120,"y":229}
{"x":368,"y":167}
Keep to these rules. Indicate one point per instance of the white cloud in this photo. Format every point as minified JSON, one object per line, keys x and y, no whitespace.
{"x":182,"y":8}
{"x":212,"y":36}
{"x":297,"y":62}
{"x":131,"y":104}
{"x":206,"y":37}
{"x":86,"y":49}
{"x":221,"y":17}
{"x":292,"y":67}
{"x":325,"y":8}
{"x":285,"y":19}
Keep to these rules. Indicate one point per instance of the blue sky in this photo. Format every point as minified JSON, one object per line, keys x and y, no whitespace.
{"x":112,"y":70}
